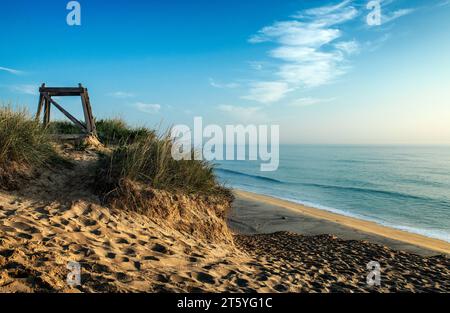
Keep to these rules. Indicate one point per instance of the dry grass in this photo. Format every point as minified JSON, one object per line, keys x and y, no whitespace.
{"x":149,"y":161}
{"x":24,"y":146}
{"x":143,"y":177}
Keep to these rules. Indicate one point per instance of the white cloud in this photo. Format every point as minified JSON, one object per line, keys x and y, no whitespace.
{"x":267,"y":92}
{"x":243,"y":113}
{"x":349,"y":47}
{"x":150,"y":108}
{"x":215,"y":84}
{"x":309,"y":48}
{"x":309,"y":101}
{"x":296,"y":33}
{"x":443,"y":3}
{"x":331,"y":15}
{"x":323,"y":10}
{"x":10,"y":70}
{"x":389,"y":17}
{"x":256,"y":65}
{"x":26,"y":89}
{"x":121,"y":94}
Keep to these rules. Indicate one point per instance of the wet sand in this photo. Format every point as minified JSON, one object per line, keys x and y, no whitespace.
{"x":258,"y":214}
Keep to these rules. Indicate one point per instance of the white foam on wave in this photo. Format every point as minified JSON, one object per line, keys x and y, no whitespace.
{"x":430,"y":233}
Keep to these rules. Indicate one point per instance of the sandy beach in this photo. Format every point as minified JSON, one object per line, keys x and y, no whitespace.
{"x":257,"y":214}
{"x":269,"y":246}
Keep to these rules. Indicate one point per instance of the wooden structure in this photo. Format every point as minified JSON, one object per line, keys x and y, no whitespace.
{"x":46,"y":101}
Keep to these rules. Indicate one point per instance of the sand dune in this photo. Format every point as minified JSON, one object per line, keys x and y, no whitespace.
{"x":57,"y":219}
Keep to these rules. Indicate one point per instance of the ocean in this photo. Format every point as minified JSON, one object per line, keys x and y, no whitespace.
{"x":404,"y":187}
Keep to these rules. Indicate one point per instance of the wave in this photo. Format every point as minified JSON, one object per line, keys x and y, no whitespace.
{"x":250,"y":175}
{"x":367,"y":190}
{"x":336,"y":187}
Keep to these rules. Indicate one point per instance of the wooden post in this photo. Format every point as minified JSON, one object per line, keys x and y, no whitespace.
{"x":87,"y":110}
{"x":40,"y":104}
{"x":46,"y":111}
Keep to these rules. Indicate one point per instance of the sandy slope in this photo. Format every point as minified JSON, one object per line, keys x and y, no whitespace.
{"x":57,"y":219}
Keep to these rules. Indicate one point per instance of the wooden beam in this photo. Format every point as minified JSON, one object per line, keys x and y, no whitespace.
{"x":61,"y":89}
{"x":69,"y":116}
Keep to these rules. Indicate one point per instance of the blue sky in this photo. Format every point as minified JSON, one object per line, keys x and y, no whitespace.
{"x":316,"y":68}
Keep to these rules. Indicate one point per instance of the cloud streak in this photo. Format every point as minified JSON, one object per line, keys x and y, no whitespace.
{"x":11,"y":70}
{"x":121,"y":94}
{"x":387,"y":18}
{"x":27,"y":89}
{"x":215,"y":84}
{"x":243,"y":113}
{"x":150,"y":108}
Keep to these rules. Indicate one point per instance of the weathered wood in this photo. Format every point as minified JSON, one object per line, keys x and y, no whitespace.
{"x":47,"y":108}
{"x":89,"y":117}
{"x":69,"y":116}
{"x":45,"y":100}
{"x":40,"y":105}
{"x":61,"y":91}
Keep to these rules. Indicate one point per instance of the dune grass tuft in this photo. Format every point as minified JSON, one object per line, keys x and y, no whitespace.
{"x":144,"y":177}
{"x":24,"y":144}
{"x":149,"y":160}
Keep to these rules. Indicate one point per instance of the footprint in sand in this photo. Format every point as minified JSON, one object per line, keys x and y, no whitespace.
{"x":122,"y":241}
{"x":130,"y":252}
{"x":204,"y":278}
{"x":24,"y":227}
{"x":162,"y":249}
{"x":6,"y":253}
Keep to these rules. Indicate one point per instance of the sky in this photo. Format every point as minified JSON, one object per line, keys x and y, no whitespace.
{"x":316,"y":68}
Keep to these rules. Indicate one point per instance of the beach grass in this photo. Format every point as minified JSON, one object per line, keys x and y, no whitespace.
{"x":149,"y":160}
{"x":110,"y":131}
{"x":24,"y":144}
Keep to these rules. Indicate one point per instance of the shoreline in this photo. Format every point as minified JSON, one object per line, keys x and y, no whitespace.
{"x":316,"y":220}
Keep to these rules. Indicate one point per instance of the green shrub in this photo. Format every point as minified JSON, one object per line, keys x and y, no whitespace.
{"x":115,"y":131}
{"x":63,"y":128}
{"x":112,"y":131}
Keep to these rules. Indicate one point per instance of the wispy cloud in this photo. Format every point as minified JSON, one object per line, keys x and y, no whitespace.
{"x":267,"y":92}
{"x":302,"y":102}
{"x":443,"y":3}
{"x":392,"y":16}
{"x":243,"y":113}
{"x":309,"y":49}
{"x":11,"y":70}
{"x":121,"y":94}
{"x":215,"y":84}
{"x":27,"y":89}
{"x":150,"y":108}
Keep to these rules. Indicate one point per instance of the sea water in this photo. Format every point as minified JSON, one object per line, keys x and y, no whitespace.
{"x":404,"y":187}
